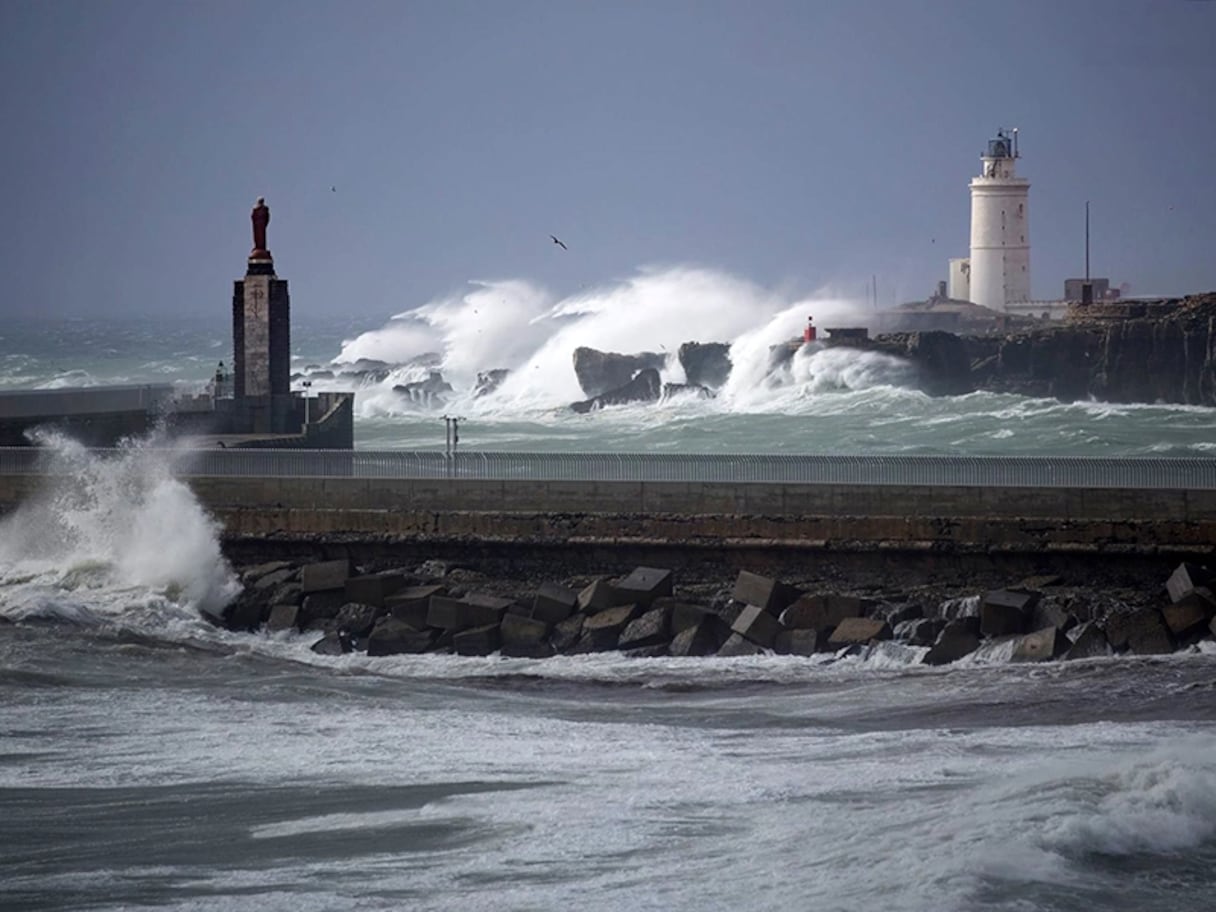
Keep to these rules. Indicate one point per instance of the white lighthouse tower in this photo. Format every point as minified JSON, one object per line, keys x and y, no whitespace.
{"x":1000,"y":236}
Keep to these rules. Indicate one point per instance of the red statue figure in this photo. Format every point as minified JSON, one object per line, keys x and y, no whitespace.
{"x":261,"y":218}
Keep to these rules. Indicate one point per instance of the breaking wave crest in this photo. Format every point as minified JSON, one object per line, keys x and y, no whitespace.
{"x":113,"y":533}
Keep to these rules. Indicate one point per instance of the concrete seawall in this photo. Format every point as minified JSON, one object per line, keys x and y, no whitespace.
{"x":744,"y":524}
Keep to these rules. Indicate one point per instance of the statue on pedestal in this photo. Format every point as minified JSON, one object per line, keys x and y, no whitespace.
{"x":261,"y":218}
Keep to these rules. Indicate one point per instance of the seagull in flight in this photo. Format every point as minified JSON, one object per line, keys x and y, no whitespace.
{"x":559,"y":243}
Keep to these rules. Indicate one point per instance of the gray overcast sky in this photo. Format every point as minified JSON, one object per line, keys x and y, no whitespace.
{"x":797,"y":145}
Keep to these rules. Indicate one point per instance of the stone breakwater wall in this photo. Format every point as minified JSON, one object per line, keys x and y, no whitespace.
{"x":436,"y":607}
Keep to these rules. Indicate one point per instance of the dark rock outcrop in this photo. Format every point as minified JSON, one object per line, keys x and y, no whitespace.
{"x":645,"y":387}
{"x":598,"y":372}
{"x":705,"y":364}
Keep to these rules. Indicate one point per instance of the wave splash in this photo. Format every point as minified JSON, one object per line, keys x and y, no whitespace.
{"x":110,"y":535}
{"x":517,"y":326}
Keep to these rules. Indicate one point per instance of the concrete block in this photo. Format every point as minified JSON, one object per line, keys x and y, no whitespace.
{"x":325,"y":575}
{"x":644,"y":585}
{"x":374,"y":588}
{"x":651,"y":629}
{"x":1051,"y":614}
{"x":757,"y":625}
{"x":317,"y":605}
{"x":391,"y":636}
{"x":1143,"y":632}
{"x":855,"y":630}
{"x":460,"y":614}
{"x":412,"y":604}
{"x":554,"y":603}
{"x":600,"y":595}
{"x":697,"y":640}
{"x":358,"y":619}
{"x":956,"y":640}
{"x":1089,"y":643}
{"x":1188,"y":614}
{"x":604,"y":628}
{"x":567,"y":633}
{"x":1004,"y":612}
{"x":820,"y":612}
{"x":1048,"y":643}
{"x":284,"y":617}
{"x":273,"y":579}
{"x":737,"y":645}
{"x":684,"y":614}
{"x":492,"y":602}
{"x":769,"y":594}
{"x":515,"y":630}
{"x":287,"y":594}
{"x":333,"y":643}
{"x":1185,"y":578}
{"x":477,"y":641}
{"x":800,"y":642}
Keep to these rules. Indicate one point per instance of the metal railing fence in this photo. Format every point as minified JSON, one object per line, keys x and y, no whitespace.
{"x":1175,"y":473}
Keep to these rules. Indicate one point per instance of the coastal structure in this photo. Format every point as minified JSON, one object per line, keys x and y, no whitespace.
{"x":254,"y":408}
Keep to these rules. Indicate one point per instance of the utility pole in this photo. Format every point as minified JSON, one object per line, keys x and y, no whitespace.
{"x":1087,"y":288}
{"x":452,"y":425}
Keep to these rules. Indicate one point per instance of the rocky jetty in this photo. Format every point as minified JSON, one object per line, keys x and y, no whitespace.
{"x":1123,"y":351}
{"x":437,"y":607}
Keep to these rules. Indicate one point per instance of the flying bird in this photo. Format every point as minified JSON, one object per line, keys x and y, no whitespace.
{"x":559,"y":243}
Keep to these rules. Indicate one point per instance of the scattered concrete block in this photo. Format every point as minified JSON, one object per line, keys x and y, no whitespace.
{"x":273,"y":579}
{"x":518,"y":631}
{"x":1187,"y":615}
{"x":955,"y":641}
{"x":600,"y":595}
{"x":324,"y":604}
{"x":697,"y":640}
{"x":357,"y":619}
{"x":412,"y":604}
{"x":644,"y":585}
{"x":1089,"y":643}
{"x":374,"y":588}
{"x":684,"y":614}
{"x":604,"y":628}
{"x":1051,"y":614}
{"x":1143,"y":632}
{"x":1048,"y":643}
{"x":333,"y":643}
{"x":391,"y":636}
{"x":820,"y":612}
{"x":737,"y":645}
{"x":801,"y":642}
{"x":1186,"y":578}
{"x":567,"y":633}
{"x":651,"y":629}
{"x":554,"y":603}
{"x":1004,"y":612}
{"x":284,"y":617}
{"x":769,"y":594}
{"x":757,"y":625}
{"x":251,"y":575}
{"x":325,"y":575}
{"x":462,"y":614}
{"x":287,"y":594}
{"x":477,"y":641}
{"x":856,"y":630}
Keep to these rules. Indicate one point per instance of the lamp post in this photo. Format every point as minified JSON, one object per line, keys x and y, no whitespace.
{"x":307,"y":384}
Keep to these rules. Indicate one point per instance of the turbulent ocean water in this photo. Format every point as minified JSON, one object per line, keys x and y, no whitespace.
{"x":150,"y":760}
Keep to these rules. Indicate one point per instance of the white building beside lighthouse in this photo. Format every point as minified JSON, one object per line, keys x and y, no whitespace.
{"x":998,"y":272}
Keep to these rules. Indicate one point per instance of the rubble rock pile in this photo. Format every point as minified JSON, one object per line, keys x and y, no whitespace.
{"x":440,"y":608}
